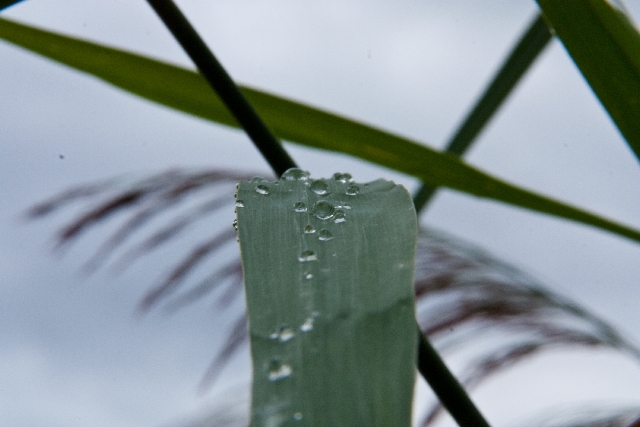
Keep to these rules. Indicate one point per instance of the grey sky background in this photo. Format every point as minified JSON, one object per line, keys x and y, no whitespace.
{"x":72,"y":353}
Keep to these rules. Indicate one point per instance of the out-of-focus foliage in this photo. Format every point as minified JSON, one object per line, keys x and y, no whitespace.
{"x":464,"y":295}
{"x":187,"y":91}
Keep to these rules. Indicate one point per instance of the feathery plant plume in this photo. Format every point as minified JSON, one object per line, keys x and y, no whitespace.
{"x":464,"y":295}
{"x":587,"y":416}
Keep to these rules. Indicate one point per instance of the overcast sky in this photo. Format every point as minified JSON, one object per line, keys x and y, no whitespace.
{"x":72,"y":353}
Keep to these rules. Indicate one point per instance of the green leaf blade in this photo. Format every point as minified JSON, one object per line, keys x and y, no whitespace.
{"x":187,"y":91}
{"x":331,"y":318}
{"x":605,"y":45}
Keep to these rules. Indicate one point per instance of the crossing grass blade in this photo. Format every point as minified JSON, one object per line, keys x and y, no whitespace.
{"x":7,"y":3}
{"x":330,"y":301}
{"x":187,"y":91}
{"x":605,"y":45}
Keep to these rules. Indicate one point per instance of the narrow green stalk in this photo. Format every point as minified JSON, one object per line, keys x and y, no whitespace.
{"x":223,"y":85}
{"x":449,"y":391}
{"x":518,"y":62}
{"x":7,"y":3}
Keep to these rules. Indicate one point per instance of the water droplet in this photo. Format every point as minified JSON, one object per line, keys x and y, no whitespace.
{"x":307,"y":256}
{"x":322,"y":210}
{"x":325,"y":235}
{"x":262,"y":189}
{"x":278,"y":370}
{"x":283,"y":334}
{"x":352,"y":190}
{"x":319,"y":187}
{"x":239,"y":203}
{"x":286,"y":335}
{"x":297,"y":416}
{"x":342,"y":177}
{"x":308,"y":229}
{"x":235,"y":224}
{"x":257,"y":179}
{"x":295,"y":174}
{"x":308,"y":276}
{"x":300,"y":207}
{"x":307,"y":325}
{"x":339,"y":216}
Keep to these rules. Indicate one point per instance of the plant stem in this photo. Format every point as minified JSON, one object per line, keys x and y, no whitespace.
{"x":7,"y":3}
{"x":451,"y":394}
{"x":223,"y":85}
{"x":518,"y":62}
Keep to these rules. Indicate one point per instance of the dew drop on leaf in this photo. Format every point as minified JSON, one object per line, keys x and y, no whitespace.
{"x":322,"y":210}
{"x":308,"y":276}
{"x":308,"y":229}
{"x":283,"y":334}
{"x":262,"y":189}
{"x":286,"y":335}
{"x":307,"y":256}
{"x":239,"y":203}
{"x":307,"y":325}
{"x":300,"y":207}
{"x":278,"y":370}
{"x":352,"y":190}
{"x":235,"y":224}
{"x":319,"y":187}
{"x":325,"y":235}
{"x":342,"y":177}
{"x":256,"y":179}
{"x":339,"y":216}
{"x":295,"y":174}
{"x":297,"y":416}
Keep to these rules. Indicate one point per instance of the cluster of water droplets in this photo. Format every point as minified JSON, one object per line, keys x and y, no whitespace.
{"x":277,"y":369}
{"x":322,"y":202}
{"x":342,"y":177}
{"x":318,"y":205}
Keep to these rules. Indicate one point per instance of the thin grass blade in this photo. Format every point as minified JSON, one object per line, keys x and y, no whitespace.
{"x":523,"y":55}
{"x":605,"y":45}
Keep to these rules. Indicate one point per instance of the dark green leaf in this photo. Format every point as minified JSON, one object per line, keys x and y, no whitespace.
{"x":605,"y":45}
